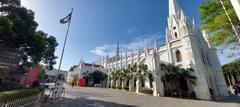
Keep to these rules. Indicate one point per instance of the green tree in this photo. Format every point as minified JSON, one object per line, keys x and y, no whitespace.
{"x":10,"y":2}
{"x":178,"y":77}
{"x":72,"y":67}
{"x":97,"y":77}
{"x":42,"y":74}
{"x":142,"y":72}
{"x":215,"y":22}
{"x":49,"y":57}
{"x":231,"y":72}
{"x":75,"y":79}
{"x":113,"y":77}
{"x":125,"y":77}
{"x":18,"y":30}
{"x":116,"y":76}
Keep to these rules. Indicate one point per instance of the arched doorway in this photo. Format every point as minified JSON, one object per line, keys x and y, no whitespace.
{"x":178,"y":56}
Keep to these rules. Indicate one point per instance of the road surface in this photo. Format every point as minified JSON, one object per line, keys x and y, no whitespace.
{"x":104,"y":97}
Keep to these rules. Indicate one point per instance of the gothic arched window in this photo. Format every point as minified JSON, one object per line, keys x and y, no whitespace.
{"x":175,"y":34}
{"x":178,"y":56}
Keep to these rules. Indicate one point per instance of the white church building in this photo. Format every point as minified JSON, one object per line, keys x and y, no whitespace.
{"x":186,"y":46}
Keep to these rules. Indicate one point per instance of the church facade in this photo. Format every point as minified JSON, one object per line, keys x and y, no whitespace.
{"x":186,"y":46}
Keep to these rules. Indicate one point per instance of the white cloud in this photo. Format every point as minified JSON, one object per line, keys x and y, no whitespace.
{"x":132,"y":30}
{"x":104,"y":50}
{"x":138,"y":43}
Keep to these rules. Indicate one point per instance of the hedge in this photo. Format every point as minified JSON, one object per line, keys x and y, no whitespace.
{"x":18,"y":94}
{"x":146,"y":90}
{"x":125,"y":88}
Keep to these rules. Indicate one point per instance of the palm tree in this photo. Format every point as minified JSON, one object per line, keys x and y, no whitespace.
{"x":185,"y":76}
{"x":113,"y":77}
{"x":118,"y":78}
{"x":124,"y":77}
{"x":170,"y":76}
{"x":178,"y":77}
{"x":141,"y":74}
{"x":229,"y":71}
{"x":131,"y":75}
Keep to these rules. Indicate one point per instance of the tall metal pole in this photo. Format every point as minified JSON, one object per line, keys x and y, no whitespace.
{"x":65,"y":40}
{"x":234,"y":29}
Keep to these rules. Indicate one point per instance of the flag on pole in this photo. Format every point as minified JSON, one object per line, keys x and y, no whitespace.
{"x":66,"y":19}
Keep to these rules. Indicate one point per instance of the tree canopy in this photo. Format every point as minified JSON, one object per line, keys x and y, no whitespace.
{"x":72,"y":67}
{"x":215,"y":22}
{"x":97,"y":77}
{"x":18,"y":30}
{"x":232,"y":70}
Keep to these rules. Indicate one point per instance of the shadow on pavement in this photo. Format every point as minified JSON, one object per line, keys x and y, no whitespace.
{"x":101,"y":95}
{"x":83,"y":102}
{"x":230,"y":99}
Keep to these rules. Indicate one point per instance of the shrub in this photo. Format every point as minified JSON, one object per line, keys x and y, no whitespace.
{"x":133,"y":90}
{"x":119,"y":87}
{"x":193,"y":95}
{"x":125,"y":88}
{"x":146,"y":90}
{"x":17,"y":94}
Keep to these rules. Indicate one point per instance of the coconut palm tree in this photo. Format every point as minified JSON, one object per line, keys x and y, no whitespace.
{"x":229,"y":71}
{"x":124,"y":77}
{"x":178,"y":77}
{"x":113,"y":77}
{"x":118,"y":78}
{"x":141,"y":74}
{"x":170,"y":76}
{"x":185,"y":76}
{"x":131,"y":75}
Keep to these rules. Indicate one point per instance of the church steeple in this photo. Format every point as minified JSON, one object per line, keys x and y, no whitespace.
{"x":174,"y":8}
{"x":117,"y":51}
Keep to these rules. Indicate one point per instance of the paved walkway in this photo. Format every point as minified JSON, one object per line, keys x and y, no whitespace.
{"x":103,"y":97}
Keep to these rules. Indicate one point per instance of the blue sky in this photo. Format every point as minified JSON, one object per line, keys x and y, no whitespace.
{"x":97,"y":25}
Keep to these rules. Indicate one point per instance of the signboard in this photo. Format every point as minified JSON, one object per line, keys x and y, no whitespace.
{"x":9,"y":63}
{"x":9,"y":59}
{"x":32,"y":76}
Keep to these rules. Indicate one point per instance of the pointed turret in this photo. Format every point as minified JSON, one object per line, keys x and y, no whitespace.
{"x":174,"y":8}
{"x":117,"y":51}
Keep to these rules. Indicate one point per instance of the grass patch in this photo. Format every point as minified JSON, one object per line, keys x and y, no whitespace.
{"x":18,"y":94}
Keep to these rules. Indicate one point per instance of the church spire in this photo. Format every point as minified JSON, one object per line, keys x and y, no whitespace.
{"x":174,"y":8}
{"x":117,"y":50}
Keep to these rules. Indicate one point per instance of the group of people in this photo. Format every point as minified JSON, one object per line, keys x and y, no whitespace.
{"x":235,"y":89}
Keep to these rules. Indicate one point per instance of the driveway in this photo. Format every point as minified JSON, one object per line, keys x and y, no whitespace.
{"x":104,"y":97}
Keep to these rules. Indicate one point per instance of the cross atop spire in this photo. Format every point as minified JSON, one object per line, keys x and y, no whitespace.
{"x":174,"y":8}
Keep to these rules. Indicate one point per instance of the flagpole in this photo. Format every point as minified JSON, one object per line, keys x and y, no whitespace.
{"x":65,"y":40}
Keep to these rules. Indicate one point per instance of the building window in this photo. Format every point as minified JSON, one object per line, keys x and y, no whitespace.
{"x":175,"y":34}
{"x":178,"y":56}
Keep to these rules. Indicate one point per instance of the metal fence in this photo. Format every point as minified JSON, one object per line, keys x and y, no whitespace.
{"x":21,"y":102}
